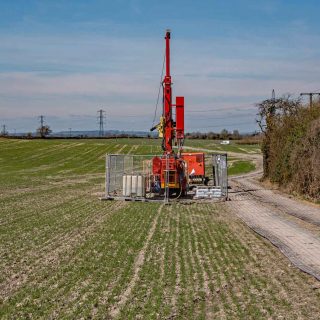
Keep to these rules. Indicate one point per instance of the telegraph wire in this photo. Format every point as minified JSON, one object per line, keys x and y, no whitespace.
{"x":225,"y":125}
{"x":221,"y":118}
{"x":159,"y":91}
{"x":214,"y":118}
{"x":214,"y":110}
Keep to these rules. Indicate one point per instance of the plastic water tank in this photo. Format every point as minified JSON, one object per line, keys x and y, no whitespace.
{"x":134,"y":185}
{"x":141,"y":190}
{"x":128,"y":185}
{"x":124,"y":185}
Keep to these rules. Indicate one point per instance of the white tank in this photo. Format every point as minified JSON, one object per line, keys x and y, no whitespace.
{"x":134,"y":185}
{"x":141,"y":191}
{"x":128,"y":185}
{"x":124,"y":185}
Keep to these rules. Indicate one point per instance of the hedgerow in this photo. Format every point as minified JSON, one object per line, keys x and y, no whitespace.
{"x":291,"y":144}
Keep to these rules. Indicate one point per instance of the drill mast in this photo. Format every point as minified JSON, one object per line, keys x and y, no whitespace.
{"x":167,"y":100}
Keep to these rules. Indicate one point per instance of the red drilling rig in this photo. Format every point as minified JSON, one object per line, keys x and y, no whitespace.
{"x":174,"y":171}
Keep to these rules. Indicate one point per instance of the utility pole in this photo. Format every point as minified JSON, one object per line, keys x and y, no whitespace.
{"x":44,"y":130}
{"x":101,"y":118}
{"x":41,"y":130}
{"x":273,"y":101}
{"x":310,"y":94}
{"x":4,"y":131}
{"x":41,"y":120}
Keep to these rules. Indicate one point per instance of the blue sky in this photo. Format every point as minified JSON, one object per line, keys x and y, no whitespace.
{"x":67,"y":59}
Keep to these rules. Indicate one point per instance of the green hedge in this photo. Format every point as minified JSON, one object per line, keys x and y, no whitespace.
{"x":291,"y":149}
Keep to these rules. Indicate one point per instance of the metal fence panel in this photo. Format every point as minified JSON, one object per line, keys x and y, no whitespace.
{"x":128,"y":174}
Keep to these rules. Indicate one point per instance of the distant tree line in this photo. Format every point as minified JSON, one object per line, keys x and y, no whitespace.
{"x":223,"y":135}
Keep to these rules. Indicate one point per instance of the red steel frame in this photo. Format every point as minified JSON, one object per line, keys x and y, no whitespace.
{"x":173,"y":163}
{"x":172,"y":130}
{"x":167,"y":104}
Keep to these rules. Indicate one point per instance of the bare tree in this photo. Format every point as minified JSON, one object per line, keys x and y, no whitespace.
{"x":224,"y":134}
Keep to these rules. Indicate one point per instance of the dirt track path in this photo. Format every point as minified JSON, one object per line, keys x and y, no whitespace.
{"x":291,"y":225}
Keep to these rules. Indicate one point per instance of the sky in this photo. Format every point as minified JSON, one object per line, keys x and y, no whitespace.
{"x":68,"y":59}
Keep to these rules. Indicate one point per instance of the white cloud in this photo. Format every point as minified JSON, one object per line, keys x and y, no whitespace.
{"x":63,"y":75}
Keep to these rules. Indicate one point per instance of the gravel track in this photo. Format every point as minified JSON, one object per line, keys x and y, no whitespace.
{"x":270,"y":214}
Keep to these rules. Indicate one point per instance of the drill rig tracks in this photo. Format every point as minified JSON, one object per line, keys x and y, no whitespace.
{"x":291,"y":225}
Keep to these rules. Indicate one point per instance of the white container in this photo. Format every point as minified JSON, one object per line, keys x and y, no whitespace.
{"x":141,"y":191}
{"x":124,"y":185}
{"x":128,"y":185}
{"x":134,"y":185}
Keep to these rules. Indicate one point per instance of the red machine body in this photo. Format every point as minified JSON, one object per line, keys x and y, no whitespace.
{"x":195,"y":163}
{"x":180,"y":118}
{"x":172,"y":170}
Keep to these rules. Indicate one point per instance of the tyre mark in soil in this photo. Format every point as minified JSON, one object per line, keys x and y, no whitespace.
{"x":83,"y":288}
{"x":137,"y":266}
{"x":109,"y":289}
{"x":194,"y":223}
{"x":214,"y":263}
{"x":177,"y":287}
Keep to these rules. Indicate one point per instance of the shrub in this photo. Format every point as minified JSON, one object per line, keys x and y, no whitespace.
{"x":291,"y":144}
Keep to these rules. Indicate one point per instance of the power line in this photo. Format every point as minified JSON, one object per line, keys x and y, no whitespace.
{"x":208,"y":119}
{"x":160,"y":86}
{"x":186,"y":111}
{"x":227,"y":124}
{"x":310,"y":94}
{"x":195,"y":117}
{"x":221,"y":118}
{"x":214,"y":110}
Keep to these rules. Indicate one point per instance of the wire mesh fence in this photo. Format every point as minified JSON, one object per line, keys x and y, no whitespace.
{"x":131,"y":177}
{"x":220,"y":173}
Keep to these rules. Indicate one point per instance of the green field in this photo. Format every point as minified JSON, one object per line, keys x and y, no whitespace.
{"x":216,"y":146}
{"x":240,"y":166}
{"x":64,"y":254}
